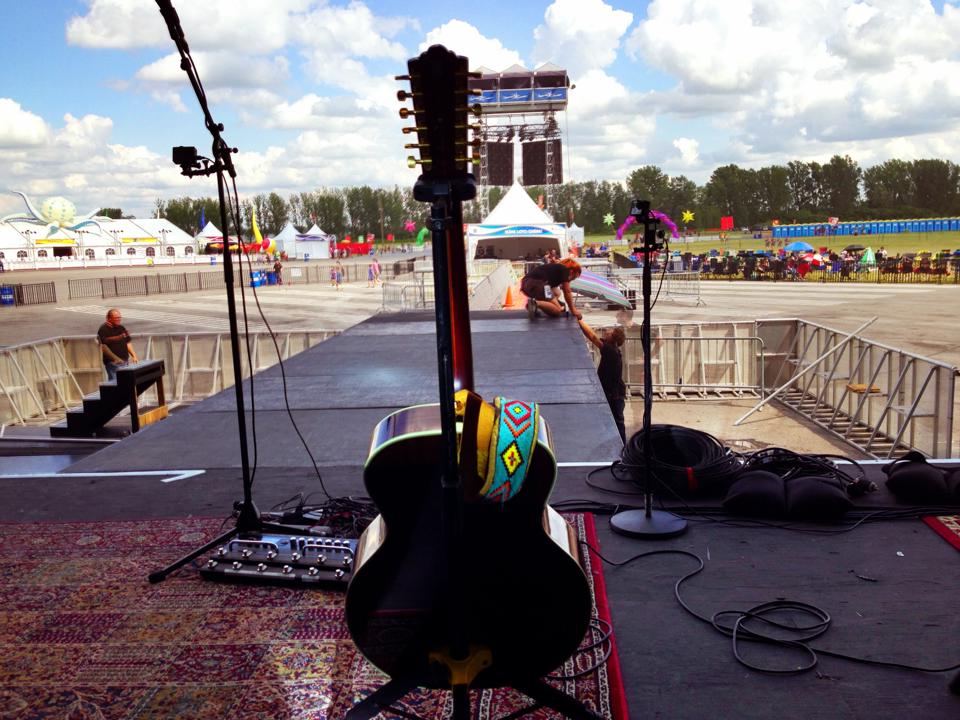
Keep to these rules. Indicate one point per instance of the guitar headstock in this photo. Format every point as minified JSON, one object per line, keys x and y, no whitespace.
{"x":442,"y":106}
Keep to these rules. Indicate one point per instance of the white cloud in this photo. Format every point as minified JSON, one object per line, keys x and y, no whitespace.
{"x":218,"y":69}
{"x":580,"y":35}
{"x":607,"y":138}
{"x":254,"y":25}
{"x":792,"y":79}
{"x":689,"y":149}
{"x":18,"y":127}
{"x":464,"y":39}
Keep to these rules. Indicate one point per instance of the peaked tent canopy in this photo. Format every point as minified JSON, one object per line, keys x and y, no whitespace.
{"x":516,"y":229}
{"x":286,"y":239}
{"x":314,"y":243}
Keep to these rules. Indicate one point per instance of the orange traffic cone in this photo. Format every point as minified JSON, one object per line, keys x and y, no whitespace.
{"x":508,"y":300}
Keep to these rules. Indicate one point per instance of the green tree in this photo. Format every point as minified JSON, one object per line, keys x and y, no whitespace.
{"x":840,"y":186}
{"x":935,"y":185}
{"x":888,"y":185}
{"x":733,"y":190}
{"x":804,"y":193}
{"x":773,"y":186}
{"x":649,"y":183}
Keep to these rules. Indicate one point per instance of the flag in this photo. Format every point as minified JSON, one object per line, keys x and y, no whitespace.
{"x":203,"y":221}
{"x":726,"y":222}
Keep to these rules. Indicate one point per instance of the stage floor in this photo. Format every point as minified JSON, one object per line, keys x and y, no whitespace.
{"x":890,"y":588}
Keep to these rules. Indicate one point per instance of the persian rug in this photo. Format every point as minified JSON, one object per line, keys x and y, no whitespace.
{"x":84,"y":635}
{"x":946,"y":526}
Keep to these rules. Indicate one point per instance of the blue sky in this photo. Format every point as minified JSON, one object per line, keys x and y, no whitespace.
{"x":91,"y":100}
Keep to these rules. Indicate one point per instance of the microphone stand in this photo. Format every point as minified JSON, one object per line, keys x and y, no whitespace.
{"x":248,"y":518}
{"x":648,"y":524}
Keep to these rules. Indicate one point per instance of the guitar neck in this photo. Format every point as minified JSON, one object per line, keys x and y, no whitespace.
{"x":459,"y":300}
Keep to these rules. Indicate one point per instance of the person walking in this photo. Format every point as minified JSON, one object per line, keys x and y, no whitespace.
{"x":610,"y":371}
{"x":278,"y":269}
{"x":116,"y":346}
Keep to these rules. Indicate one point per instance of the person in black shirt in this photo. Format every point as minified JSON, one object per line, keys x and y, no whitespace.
{"x":115,"y":344}
{"x":610,"y":371}
{"x":541,"y":285}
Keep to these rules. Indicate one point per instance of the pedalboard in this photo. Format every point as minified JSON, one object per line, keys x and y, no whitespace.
{"x":272,"y":558}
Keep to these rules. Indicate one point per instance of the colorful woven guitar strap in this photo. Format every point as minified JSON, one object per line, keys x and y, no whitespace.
{"x":512,"y":443}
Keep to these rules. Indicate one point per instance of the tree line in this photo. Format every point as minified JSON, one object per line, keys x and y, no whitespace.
{"x":795,"y":192}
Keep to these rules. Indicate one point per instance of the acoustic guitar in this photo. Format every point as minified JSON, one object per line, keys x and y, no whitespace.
{"x":524,"y":596}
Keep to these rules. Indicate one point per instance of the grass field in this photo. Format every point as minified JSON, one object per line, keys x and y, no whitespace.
{"x":899,"y":243}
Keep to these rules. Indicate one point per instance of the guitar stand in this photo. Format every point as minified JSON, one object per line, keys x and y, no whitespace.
{"x":543,"y":695}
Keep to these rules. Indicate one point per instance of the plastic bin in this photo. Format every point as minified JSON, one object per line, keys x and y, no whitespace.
{"x":256,"y":278}
{"x":271,"y":277}
{"x":6,"y":295}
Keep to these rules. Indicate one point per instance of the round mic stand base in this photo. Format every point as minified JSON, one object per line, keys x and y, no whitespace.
{"x":658,"y":525}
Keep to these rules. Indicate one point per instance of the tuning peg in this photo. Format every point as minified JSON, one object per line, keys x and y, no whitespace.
{"x":415,"y":146}
{"x":408,"y":130}
{"x":412,"y":162}
{"x":407,"y":112}
{"x":475,"y":75}
{"x":401,"y":78}
{"x":404,"y":95}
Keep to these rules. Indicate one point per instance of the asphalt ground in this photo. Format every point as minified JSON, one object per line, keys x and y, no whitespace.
{"x":921,"y":319}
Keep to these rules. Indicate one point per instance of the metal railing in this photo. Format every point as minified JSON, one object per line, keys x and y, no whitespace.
{"x":882,"y":400}
{"x":682,"y":285}
{"x":43,"y":379}
{"x":30,"y":293}
{"x":697,"y":361}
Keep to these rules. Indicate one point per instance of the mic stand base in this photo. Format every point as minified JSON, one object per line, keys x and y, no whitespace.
{"x":658,"y":525}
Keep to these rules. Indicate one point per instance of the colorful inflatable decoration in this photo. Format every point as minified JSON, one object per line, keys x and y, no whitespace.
{"x":409,"y":226}
{"x":370,"y":237}
{"x":55,"y":212}
{"x":267,"y":245}
{"x":662,"y":217}
{"x":389,"y":237}
{"x":687,"y":217}
{"x":608,"y":219}
{"x":421,"y":236}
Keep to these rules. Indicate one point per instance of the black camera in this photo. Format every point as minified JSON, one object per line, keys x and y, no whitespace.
{"x":186,"y":157}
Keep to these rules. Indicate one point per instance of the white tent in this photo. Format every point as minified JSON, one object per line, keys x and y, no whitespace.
{"x":516,"y":228}
{"x":210,"y":233}
{"x":286,"y":240}
{"x":312,"y":244}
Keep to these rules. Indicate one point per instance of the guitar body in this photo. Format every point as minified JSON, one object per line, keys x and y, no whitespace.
{"x":526,"y":597}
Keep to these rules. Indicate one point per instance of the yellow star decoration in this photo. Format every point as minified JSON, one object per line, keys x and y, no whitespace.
{"x":687,"y":216}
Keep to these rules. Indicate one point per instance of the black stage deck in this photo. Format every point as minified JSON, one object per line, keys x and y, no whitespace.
{"x":673,"y":665}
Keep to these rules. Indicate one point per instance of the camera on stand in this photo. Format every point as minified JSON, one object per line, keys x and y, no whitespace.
{"x":191,"y":162}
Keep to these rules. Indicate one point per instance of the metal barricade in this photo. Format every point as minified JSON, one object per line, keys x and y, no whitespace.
{"x":85,"y":288}
{"x":683,"y":285}
{"x":40,"y":380}
{"x":882,"y":400}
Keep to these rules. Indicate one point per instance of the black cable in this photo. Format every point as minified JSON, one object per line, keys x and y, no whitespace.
{"x":707,"y":464}
{"x":283,"y":374}
{"x":663,"y":274}
{"x":760,"y":614}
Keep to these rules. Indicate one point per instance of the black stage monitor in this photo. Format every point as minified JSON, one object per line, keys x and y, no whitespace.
{"x":499,"y":167}
{"x":536,"y":169}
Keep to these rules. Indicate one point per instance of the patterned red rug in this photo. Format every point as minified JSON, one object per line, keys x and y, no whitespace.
{"x":947,"y":527}
{"x":84,"y":635}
